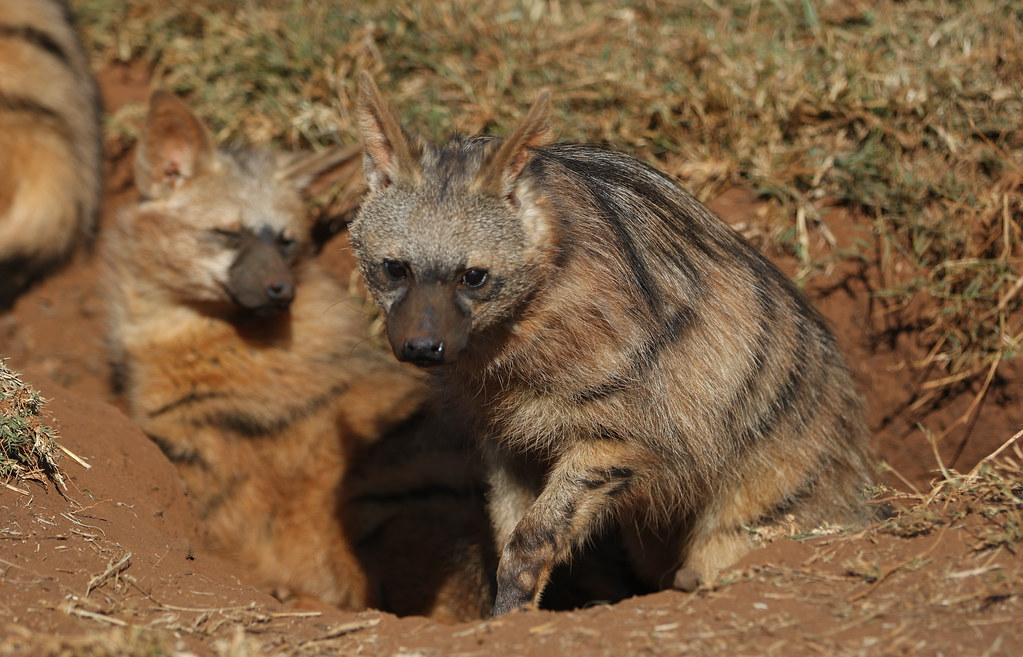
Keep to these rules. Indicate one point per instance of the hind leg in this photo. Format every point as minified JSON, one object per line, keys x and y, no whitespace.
{"x":710,"y":552}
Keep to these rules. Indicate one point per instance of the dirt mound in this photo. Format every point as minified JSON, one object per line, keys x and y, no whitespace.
{"x":113,"y":566}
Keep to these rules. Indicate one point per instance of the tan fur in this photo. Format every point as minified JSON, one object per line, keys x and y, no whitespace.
{"x":633,"y":364}
{"x":50,"y":142}
{"x":312,"y":459}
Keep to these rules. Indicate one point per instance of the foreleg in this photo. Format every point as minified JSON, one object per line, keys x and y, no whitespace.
{"x":586,"y":485}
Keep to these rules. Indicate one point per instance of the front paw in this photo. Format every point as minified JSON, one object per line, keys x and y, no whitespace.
{"x":522,"y":572}
{"x":510,"y":599}
{"x":515,"y":594}
{"x":502,"y":606}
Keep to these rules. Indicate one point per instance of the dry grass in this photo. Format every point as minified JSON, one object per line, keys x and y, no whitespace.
{"x":993,"y":488}
{"x":28,"y":450}
{"x":119,"y":642}
{"x":905,"y":111}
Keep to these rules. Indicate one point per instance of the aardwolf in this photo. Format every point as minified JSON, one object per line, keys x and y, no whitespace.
{"x":311,"y":456}
{"x":630,"y":360}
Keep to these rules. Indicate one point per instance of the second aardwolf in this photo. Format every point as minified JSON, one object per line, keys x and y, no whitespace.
{"x":631,"y":360}
{"x":311,"y":457}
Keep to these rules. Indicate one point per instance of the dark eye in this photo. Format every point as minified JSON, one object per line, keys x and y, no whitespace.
{"x":230,"y":238}
{"x":474,"y":277}
{"x":286,"y":245}
{"x":395,"y":270}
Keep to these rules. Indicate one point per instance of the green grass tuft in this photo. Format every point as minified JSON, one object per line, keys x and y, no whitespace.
{"x":28,"y":450}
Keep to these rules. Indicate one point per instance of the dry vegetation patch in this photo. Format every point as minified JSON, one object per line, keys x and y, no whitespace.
{"x":28,"y":450}
{"x":905,"y":111}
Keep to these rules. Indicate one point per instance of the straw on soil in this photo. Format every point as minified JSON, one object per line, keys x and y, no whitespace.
{"x":28,"y":449}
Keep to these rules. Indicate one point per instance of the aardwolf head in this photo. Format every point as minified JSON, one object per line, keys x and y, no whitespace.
{"x":216,"y":226}
{"x":449,"y":239}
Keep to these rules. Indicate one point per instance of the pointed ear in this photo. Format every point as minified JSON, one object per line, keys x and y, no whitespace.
{"x":388,"y":152}
{"x":500,"y":172}
{"x":174,"y":146}
{"x":300,"y":170}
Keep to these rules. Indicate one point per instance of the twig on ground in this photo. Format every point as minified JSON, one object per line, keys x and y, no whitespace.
{"x":114,"y":568}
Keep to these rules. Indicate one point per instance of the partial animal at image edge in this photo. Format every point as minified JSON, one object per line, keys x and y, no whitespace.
{"x":51,"y":151}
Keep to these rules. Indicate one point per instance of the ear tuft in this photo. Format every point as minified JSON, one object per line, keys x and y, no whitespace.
{"x":174,"y":146}
{"x":301,"y":169}
{"x":388,"y":154}
{"x":500,"y":173}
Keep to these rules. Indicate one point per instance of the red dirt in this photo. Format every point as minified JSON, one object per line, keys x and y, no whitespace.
{"x":65,"y":569}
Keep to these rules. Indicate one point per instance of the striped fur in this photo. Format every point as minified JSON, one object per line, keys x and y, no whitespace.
{"x":311,"y":458}
{"x":631,"y":361}
{"x":50,"y":142}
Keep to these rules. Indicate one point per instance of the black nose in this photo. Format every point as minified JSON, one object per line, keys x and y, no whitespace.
{"x":423,"y":351}
{"x":280,"y":291}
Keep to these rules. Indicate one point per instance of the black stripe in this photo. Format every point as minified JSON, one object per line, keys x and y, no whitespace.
{"x":531,"y":542}
{"x":599,"y":186}
{"x":601,"y":432}
{"x":805,"y":490}
{"x":225,"y":495}
{"x":37,"y":38}
{"x":254,"y":427}
{"x":643,"y":357}
{"x":29,"y":106}
{"x":244,"y":423}
{"x":175,"y":453}
{"x":601,"y":477}
{"x":644,"y":281}
{"x":765,"y":345}
{"x":46,"y":114}
{"x":615,"y":479}
{"x":612,"y":481}
{"x":612,"y":177}
{"x":251,"y":426}
{"x":784,"y":402}
{"x":187,"y":400}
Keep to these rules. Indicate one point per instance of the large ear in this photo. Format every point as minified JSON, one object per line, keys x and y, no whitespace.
{"x":499,"y":173}
{"x":338,"y":170}
{"x":302,"y":169}
{"x":388,"y":153}
{"x":174,"y":146}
